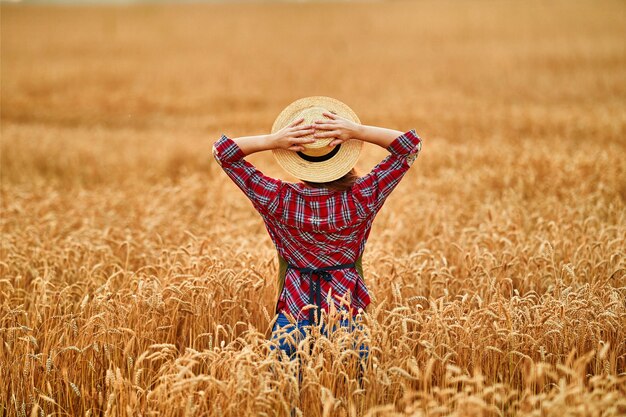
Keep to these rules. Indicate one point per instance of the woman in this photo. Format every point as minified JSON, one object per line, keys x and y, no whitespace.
{"x":320,"y":225}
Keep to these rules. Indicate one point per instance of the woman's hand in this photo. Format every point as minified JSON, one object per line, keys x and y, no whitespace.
{"x":291,"y":136}
{"x":335,"y":127}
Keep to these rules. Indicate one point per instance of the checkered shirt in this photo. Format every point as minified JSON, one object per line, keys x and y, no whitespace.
{"x":317,"y":227}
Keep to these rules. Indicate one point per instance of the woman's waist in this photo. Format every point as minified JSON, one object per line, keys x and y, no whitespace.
{"x":322,"y":269}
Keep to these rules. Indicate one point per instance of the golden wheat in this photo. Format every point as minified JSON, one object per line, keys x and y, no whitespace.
{"x":137,"y":280}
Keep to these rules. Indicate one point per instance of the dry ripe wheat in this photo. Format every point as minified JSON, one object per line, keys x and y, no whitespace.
{"x":136,"y":280}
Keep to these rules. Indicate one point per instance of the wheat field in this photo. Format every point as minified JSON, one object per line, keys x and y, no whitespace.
{"x":137,"y":280}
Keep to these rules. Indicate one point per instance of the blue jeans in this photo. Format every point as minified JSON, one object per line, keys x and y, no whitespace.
{"x":283,"y":343}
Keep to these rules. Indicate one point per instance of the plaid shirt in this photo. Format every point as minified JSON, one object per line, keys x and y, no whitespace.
{"x":317,"y":227}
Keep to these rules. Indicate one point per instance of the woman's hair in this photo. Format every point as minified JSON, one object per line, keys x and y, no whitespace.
{"x":340,"y":184}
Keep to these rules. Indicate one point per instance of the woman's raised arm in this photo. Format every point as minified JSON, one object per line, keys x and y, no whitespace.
{"x":262,"y":190}
{"x":403,"y":148}
{"x":289,"y":137}
{"x":343,"y":129}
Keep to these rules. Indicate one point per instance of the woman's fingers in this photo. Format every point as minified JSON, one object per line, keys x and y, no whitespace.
{"x":296,"y":148}
{"x":335,"y":142}
{"x":329,"y":114}
{"x":296,"y":128}
{"x":297,"y":122}
{"x":319,"y":124}
{"x":329,"y":134}
{"x":303,"y":132}
{"x":303,"y":140}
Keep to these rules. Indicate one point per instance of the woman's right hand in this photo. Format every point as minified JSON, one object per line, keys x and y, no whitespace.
{"x":343,"y":129}
{"x":335,"y":127}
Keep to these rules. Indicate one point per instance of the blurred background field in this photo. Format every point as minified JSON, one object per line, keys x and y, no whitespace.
{"x":136,"y":279}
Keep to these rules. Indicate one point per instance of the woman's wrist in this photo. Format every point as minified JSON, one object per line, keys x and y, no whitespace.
{"x":358,"y":131}
{"x":272,"y":141}
{"x":380,"y":136}
{"x":258,"y":143}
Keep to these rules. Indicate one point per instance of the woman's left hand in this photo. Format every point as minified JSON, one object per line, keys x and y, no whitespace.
{"x":291,"y":137}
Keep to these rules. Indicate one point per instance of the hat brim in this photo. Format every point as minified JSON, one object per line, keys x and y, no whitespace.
{"x":318,"y":171}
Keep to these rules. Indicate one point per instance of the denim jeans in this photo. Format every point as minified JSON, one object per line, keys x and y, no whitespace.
{"x":283,"y":343}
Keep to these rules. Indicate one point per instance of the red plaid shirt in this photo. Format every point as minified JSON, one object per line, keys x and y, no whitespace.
{"x":317,"y":227}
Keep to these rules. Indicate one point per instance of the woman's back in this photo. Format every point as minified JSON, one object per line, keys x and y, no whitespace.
{"x":321,"y":223}
{"x":318,"y":227}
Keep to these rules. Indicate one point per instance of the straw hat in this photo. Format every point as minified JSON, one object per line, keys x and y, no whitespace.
{"x":318,"y":162}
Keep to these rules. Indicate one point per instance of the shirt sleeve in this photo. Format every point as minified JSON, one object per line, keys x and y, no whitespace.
{"x":262,"y":190}
{"x":375,"y":187}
